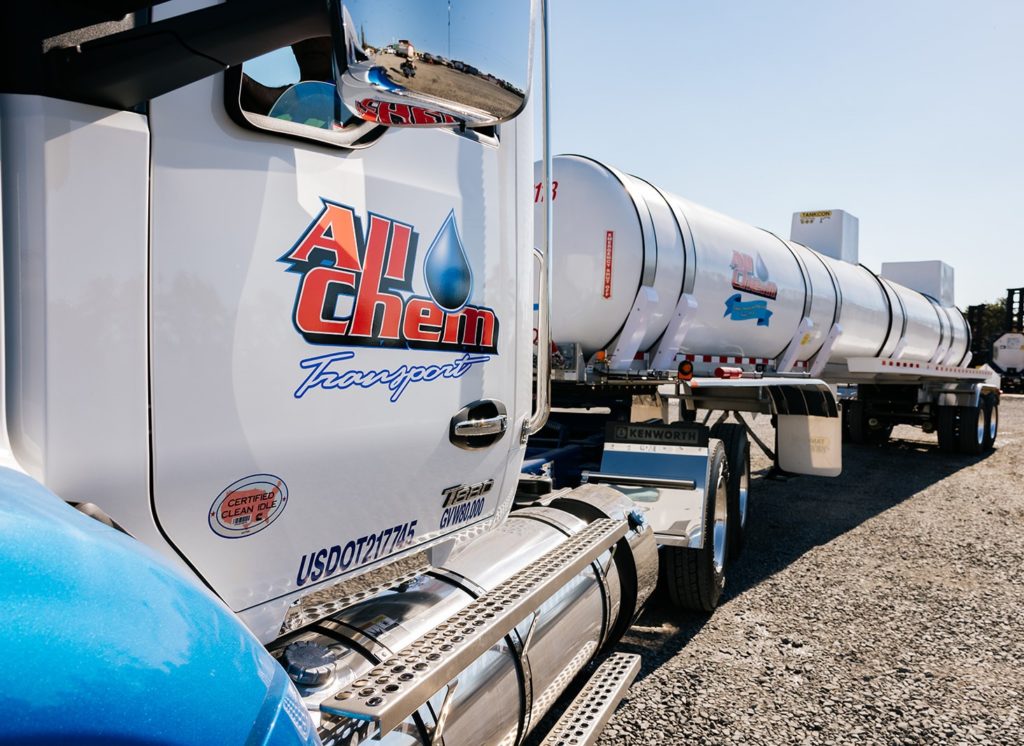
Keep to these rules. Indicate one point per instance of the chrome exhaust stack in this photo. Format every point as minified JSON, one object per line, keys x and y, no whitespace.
{"x":417,"y":664}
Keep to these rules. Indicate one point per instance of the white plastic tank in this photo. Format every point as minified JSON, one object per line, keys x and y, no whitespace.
{"x":615,"y":234}
{"x":1008,"y":352}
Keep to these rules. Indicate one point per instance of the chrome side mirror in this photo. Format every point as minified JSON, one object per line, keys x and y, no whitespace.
{"x":434,"y":63}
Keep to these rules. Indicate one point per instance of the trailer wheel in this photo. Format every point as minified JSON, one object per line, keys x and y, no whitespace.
{"x":861,"y":431}
{"x":737,"y":456}
{"x":694,"y":578}
{"x":880,"y":435}
{"x":991,"y":405}
{"x":972,"y":429}
{"x":855,"y":421}
{"x":945,"y":428}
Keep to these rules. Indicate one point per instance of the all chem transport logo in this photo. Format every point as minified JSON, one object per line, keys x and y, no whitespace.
{"x":750,"y":277}
{"x":248,"y":505}
{"x":356,"y":288}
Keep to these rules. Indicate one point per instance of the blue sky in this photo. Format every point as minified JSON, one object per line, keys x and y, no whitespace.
{"x":908,"y":114}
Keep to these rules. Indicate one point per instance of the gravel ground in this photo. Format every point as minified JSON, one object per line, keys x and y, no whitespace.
{"x":883,"y":606}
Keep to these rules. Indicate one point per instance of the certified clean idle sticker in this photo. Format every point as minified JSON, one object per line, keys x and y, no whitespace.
{"x":248,"y":506}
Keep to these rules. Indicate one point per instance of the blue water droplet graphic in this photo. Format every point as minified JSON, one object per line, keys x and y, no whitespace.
{"x":761,"y":270}
{"x":446,"y":268}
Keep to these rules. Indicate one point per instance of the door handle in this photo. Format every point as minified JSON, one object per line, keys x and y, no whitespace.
{"x":478,"y":425}
{"x":484,"y":426}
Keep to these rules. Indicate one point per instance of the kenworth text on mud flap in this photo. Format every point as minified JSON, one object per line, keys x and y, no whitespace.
{"x":269,"y":379}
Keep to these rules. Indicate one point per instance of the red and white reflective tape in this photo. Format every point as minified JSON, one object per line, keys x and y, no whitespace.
{"x":906,"y":365}
{"x":895,"y":364}
{"x":927,"y":366}
{"x":718,"y":359}
{"x":900,"y":364}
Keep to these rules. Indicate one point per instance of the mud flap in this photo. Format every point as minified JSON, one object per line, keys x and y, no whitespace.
{"x":810,"y":445}
{"x":664,"y":470}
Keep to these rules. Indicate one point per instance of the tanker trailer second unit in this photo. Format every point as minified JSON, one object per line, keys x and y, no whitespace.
{"x":651,"y":291}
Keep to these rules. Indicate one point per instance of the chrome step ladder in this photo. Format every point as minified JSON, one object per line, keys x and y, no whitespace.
{"x":399,"y":686}
{"x":583,"y":720}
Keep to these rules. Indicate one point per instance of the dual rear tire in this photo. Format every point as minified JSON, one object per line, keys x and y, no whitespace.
{"x":970,"y":430}
{"x":862,"y":429}
{"x":946,"y":428}
{"x":991,"y":405}
{"x":694,"y":578}
{"x":971,"y":436}
{"x":737,"y":455}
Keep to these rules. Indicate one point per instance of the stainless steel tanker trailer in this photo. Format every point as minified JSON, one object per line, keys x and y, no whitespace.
{"x":652,"y":294}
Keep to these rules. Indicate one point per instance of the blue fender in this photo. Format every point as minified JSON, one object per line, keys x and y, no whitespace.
{"x":105,"y":642}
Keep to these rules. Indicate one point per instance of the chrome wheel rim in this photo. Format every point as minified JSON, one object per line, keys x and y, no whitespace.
{"x":993,"y":424}
{"x":744,"y":493}
{"x":981,"y":425}
{"x":718,"y":531}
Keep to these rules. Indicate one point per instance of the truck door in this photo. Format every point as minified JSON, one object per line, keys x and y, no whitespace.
{"x":319,"y":316}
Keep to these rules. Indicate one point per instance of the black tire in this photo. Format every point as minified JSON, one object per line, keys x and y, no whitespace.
{"x":971,"y":439}
{"x":880,"y":435}
{"x":945,"y":428}
{"x":856,"y":424}
{"x":861,"y":431}
{"x":991,"y":404}
{"x":737,"y":455}
{"x":694,"y":578}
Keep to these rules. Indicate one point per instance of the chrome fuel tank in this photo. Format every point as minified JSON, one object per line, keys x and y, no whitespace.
{"x":506,"y":691}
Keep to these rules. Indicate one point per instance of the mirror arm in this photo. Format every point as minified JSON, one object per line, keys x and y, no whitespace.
{"x":542,"y":405}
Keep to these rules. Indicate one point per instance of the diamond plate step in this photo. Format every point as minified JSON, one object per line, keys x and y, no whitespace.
{"x":582,"y":722}
{"x":398,"y":687}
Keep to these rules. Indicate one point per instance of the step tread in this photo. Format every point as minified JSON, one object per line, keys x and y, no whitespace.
{"x":584,"y":719}
{"x":399,"y":686}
